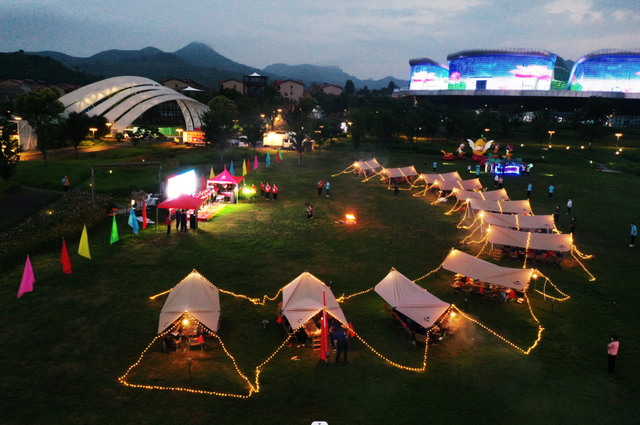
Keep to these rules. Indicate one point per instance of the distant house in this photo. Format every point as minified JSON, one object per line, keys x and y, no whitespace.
{"x":231,"y":84}
{"x":324,"y":88}
{"x":185,"y":86}
{"x":253,"y":85}
{"x":289,"y":89}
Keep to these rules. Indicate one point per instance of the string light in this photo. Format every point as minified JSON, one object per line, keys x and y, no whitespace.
{"x":575,"y":251}
{"x":343,"y":298}
{"x":526,"y":249}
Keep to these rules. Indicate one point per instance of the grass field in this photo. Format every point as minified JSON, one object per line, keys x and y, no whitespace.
{"x":69,"y":341}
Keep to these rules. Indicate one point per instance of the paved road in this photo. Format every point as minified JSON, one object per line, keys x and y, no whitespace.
{"x":67,"y":152}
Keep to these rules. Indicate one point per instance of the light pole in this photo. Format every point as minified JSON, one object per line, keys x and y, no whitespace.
{"x":179,"y":131}
{"x":93,"y":131}
{"x":551,"y":132}
{"x":618,"y":136}
{"x":17,"y":120}
{"x":109,"y":124}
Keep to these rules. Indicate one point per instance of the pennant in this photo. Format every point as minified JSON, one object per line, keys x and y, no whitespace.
{"x":324,"y":334}
{"x":278,"y":158}
{"x":255,"y":163}
{"x":83,"y":249}
{"x":26,"y":285}
{"x":201,"y":339}
{"x":279,"y":319}
{"x":144,"y":212}
{"x":133,"y":222}
{"x":248,"y":165}
{"x":231,"y":169}
{"x":204,"y":185}
{"x":66,"y":264}
{"x":268,"y":159}
{"x":280,"y":154}
{"x":351,"y":332}
{"x":114,"y":231}
{"x":211,"y":173}
{"x":244,"y":168}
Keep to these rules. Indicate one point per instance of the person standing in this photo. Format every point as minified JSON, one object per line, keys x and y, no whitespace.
{"x":528,"y":169}
{"x":634,"y":233}
{"x":569,"y":205}
{"x":262,"y":189}
{"x":395,"y":187}
{"x":178,"y":219}
{"x":468,"y":169}
{"x":435,"y":166}
{"x":551,"y":189}
{"x":183,"y":222}
{"x":529,"y":188}
{"x":168,"y":222}
{"x":556,"y":215}
{"x":572,"y":226}
{"x":268,"y":191}
{"x":320,"y":184}
{"x":275,"y":192}
{"x":495,"y":180}
{"x":341,"y":342}
{"x":500,"y":182}
{"x":477,"y":170}
{"x":65,"y":184}
{"x":612,"y":350}
{"x":326,"y":188}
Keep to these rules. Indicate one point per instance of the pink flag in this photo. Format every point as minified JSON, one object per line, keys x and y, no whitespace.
{"x":27,"y":279}
{"x":66,"y":264}
{"x":255,"y":163}
{"x":324,"y":334}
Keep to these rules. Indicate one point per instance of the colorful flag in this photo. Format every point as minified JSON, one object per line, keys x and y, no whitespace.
{"x":278,"y":157}
{"x":133,"y":221}
{"x":66,"y":264}
{"x":248,"y":165}
{"x":211,"y":173}
{"x":255,"y":163}
{"x":83,"y":249}
{"x":280,"y":154}
{"x":244,"y":168}
{"x":231,"y":169}
{"x":114,"y":231}
{"x":144,"y":211}
{"x":324,"y":334}
{"x":268,"y":159}
{"x":351,"y":331}
{"x":26,"y":285}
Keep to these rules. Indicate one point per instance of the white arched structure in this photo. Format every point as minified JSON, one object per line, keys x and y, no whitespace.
{"x":123,"y":99}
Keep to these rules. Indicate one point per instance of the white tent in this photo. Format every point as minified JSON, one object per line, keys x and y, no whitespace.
{"x":542,"y":241}
{"x":475,"y":268}
{"x":430,"y":178}
{"x":400,"y":172}
{"x":471,"y":184}
{"x":302,"y":299}
{"x":520,"y":221}
{"x":410,"y":299}
{"x":372,"y":164}
{"x":194,"y":295}
{"x":502,"y":207}
{"x":491,"y":195}
{"x":458,"y":185}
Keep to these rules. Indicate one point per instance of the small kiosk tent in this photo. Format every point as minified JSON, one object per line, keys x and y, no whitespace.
{"x":491,"y":195}
{"x":542,"y":241}
{"x":475,"y":268}
{"x":520,"y":221}
{"x":183,"y":201}
{"x":430,"y":178}
{"x":225,"y":178}
{"x":502,"y":207}
{"x":471,"y":184}
{"x":366,"y":167}
{"x":194,"y":295}
{"x":394,"y":173}
{"x":302,"y":299}
{"x":410,"y":299}
{"x":458,"y":185}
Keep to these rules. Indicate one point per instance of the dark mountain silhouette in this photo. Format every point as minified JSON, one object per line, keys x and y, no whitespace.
{"x":199,"y":54}
{"x":21,"y":66}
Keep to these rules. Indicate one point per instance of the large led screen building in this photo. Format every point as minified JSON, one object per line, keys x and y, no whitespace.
{"x":506,"y":69}
{"x":427,"y":74}
{"x":607,"y":70}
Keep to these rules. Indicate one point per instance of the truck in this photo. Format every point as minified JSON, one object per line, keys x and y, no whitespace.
{"x":281,"y":139}
{"x":193,"y":138}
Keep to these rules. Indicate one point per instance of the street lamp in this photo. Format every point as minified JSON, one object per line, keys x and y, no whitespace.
{"x":179,"y":131}
{"x":17,"y":120}
{"x":93,"y":131}
{"x":109,"y":124}
{"x":551,"y":132}
{"x":618,"y":136}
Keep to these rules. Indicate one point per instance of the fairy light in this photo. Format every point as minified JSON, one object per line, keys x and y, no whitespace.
{"x":518,"y":226}
{"x":575,"y":251}
{"x":526,"y":249}
{"x":342,"y":298}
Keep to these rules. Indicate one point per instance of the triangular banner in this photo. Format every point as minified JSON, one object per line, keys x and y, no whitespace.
{"x":66,"y":263}
{"x":26,"y":285}
{"x":133,"y":222}
{"x":83,"y":249}
{"x":114,"y":231}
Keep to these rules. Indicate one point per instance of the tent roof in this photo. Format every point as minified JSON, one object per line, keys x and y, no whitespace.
{"x":471,"y":184}
{"x":183,"y":201}
{"x":475,"y":268}
{"x":302,"y":299}
{"x":400,"y":172}
{"x":491,"y":195}
{"x":225,"y":177}
{"x":543,"y":241}
{"x":520,"y":221}
{"x":503,"y":207}
{"x":195,"y":295}
{"x":371,"y":164}
{"x":430,"y":178}
{"x":410,"y":299}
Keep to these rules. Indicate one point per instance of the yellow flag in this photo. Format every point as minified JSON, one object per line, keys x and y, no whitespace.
{"x":212,"y":174}
{"x":244,"y":167}
{"x":84,"y":244}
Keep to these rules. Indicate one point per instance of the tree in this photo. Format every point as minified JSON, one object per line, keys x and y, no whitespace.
{"x":322,"y":131}
{"x":307,"y":104}
{"x":300,"y":125}
{"x":593,"y":117}
{"x":410,"y":126}
{"x":9,"y":150}
{"x":218,"y":122}
{"x":349,"y":87}
{"x":541,"y":123}
{"x":145,"y":132}
{"x":253,"y":127}
{"x":76,"y":127}
{"x":43,"y":111}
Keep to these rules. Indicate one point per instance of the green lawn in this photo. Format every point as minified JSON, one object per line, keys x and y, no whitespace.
{"x":70,"y":340}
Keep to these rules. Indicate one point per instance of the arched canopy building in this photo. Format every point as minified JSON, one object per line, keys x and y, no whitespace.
{"x":427,"y":74}
{"x":607,"y":70}
{"x":123,"y":99}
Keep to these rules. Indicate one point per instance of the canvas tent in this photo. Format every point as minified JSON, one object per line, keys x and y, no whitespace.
{"x":302,"y":299}
{"x":225,"y":177}
{"x":542,"y":241}
{"x":520,"y":221}
{"x":183,"y":201}
{"x":372,"y":164}
{"x":502,"y":207}
{"x":491,"y":195}
{"x":475,"y":268}
{"x":194,"y":295}
{"x":471,"y":184}
{"x":394,"y":173}
{"x":461,"y":185}
{"x":430,"y":178}
{"x":410,"y":299}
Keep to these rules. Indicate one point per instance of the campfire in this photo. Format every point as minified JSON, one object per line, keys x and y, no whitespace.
{"x":351,"y":219}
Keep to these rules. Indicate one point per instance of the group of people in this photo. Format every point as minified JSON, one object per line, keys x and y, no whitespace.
{"x":267,"y":190}
{"x":180,"y":217}
{"x":326,"y":186}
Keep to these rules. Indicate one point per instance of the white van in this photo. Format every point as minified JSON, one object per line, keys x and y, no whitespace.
{"x":281,"y":139}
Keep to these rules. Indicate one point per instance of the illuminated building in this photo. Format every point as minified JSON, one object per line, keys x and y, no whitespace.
{"x":427,"y":74}
{"x":607,"y":70}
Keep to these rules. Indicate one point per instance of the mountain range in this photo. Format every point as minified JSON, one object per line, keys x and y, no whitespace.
{"x":203,"y":64}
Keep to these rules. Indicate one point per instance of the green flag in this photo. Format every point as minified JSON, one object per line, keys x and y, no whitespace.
{"x":280,"y":154}
{"x":114,"y":231}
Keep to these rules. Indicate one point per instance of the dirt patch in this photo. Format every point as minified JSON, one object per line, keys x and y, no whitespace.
{"x":16,"y":208}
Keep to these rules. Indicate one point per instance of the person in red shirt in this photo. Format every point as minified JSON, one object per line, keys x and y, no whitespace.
{"x":268,"y":191}
{"x":168,"y":223}
{"x":262,"y":189}
{"x":612,"y":350}
{"x":275,"y":192}
{"x":320,"y":185}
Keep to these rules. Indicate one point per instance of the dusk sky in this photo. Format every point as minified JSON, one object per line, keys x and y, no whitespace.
{"x":368,"y":39}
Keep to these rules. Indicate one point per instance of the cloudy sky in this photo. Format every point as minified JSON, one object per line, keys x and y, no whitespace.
{"x":368,"y":39}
